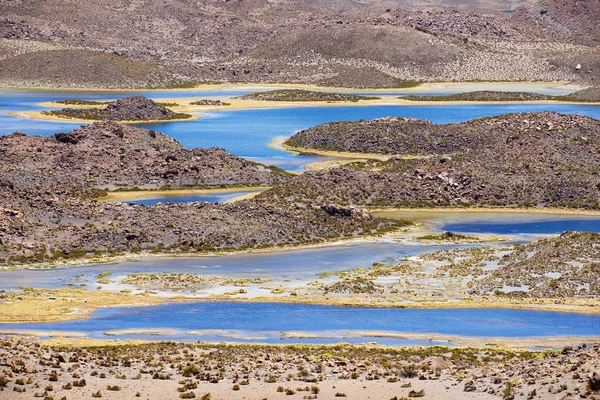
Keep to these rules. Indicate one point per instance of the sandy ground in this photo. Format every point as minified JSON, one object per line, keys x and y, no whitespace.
{"x":131,"y":369}
{"x":391,"y":212}
{"x":150,"y":194}
{"x":40,"y":116}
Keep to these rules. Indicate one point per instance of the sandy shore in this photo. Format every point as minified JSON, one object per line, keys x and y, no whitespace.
{"x":221,"y":92}
{"x":384,"y":212}
{"x":38,"y":115}
{"x":151,"y":194}
{"x":243,"y":104}
{"x":339,"y":154}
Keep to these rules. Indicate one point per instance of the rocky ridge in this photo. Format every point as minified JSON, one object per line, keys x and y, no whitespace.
{"x":136,"y":108}
{"x":108,"y":155}
{"x":526,"y":160}
{"x":586,"y":95}
{"x":304,"y":95}
{"x":50,"y":185}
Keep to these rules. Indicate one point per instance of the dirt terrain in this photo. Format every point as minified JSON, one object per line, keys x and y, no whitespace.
{"x":149,"y":43}
{"x":204,"y":371}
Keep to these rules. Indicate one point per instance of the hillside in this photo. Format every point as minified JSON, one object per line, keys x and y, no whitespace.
{"x":575,"y":21}
{"x":50,"y":185}
{"x":525,"y":160}
{"x":150,"y":43}
{"x":110,"y":155}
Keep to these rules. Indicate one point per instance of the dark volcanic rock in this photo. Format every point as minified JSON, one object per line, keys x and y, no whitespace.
{"x":136,"y":108}
{"x":594,"y":382}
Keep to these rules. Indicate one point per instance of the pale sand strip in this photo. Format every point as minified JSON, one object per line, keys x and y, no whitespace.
{"x":453,"y":340}
{"x":39,"y":116}
{"x":27,"y":332}
{"x":151,"y":194}
{"x":148,"y":331}
{"x":474,"y":210}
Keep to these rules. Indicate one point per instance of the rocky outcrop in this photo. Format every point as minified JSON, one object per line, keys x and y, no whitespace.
{"x":560,"y":267}
{"x":587,"y":95}
{"x":136,"y":108}
{"x":398,"y":135}
{"x":108,"y":155}
{"x":526,"y":160}
{"x":49,"y":211}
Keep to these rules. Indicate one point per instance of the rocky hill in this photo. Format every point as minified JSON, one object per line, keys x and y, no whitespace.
{"x":418,"y":137}
{"x":49,"y":211}
{"x":528,"y":160}
{"x":155,"y":44}
{"x":576,"y":21}
{"x":136,"y":108}
{"x":52,"y":224}
{"x":108,"y":155}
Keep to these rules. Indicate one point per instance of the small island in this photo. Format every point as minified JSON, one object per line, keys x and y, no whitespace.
{"x":304,"y":95}
{"x":590,"y":95}
{"x":524,"y":160}
{"x":136,"y":108}
{"x":209,"y":102}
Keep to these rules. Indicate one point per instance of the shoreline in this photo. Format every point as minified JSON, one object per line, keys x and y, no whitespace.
{"x":488,"y":210}
{"x":105,"y":259}
{"x":82,"y":303}
{"x":96,"y":260}
{"x":75,"y":338}
{"x":336,"y":154}
{"x":70,"y":339}
{"x":123,"y":196}
{"x":37,"y":115}
{"x":238,"y":104}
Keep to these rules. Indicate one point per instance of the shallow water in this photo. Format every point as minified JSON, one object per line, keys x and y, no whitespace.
{"x":501,"y":223}
{"x":299,"y":264}
{"x":265,"y":322}
{"x":248,"y":133}
{"x":215,"y":197}
{"x":303,"y":264}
